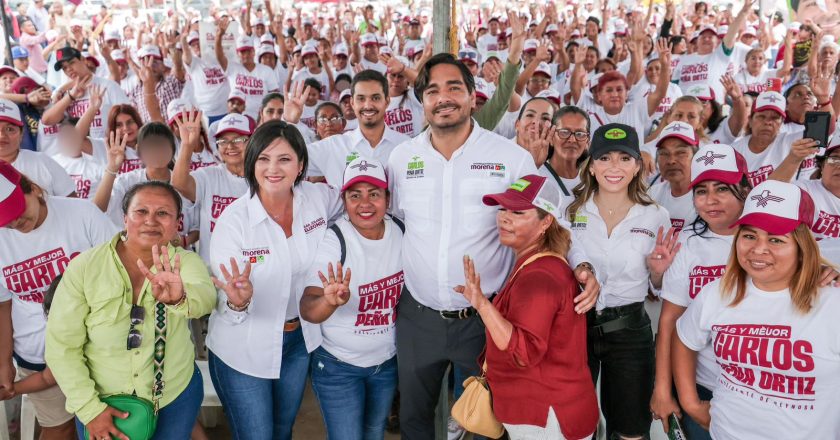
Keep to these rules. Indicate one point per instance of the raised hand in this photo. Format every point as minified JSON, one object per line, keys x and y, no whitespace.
{"x":166,"y":283}
{"x":116,"y":149}
{"x":821,"y":85}
{"x":336,"y":285}
{"x":542,"y":53}
{"x":237,"y":286}
{"x":189,"y":128}
{"x":492,"y":72}
{"x":222,"y":25}
{"x":580,"y":54}
{"x":536,"y":141}
{"x":96,"y":94}
{"x":733,"y":90}
{"x":80,"y":87}
{"x":293,"y":108}
{"x":39,"y":97}
{"x":395,"y":66}
{"x":666,"y":249}
{"x":472,"y":285}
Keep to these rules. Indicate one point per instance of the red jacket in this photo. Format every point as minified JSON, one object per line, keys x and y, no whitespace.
{"x":545,"y":363}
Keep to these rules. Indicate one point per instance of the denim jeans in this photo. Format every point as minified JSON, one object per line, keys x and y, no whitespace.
{"x":690,"y":427}
{"x":176,"y":420}
{"x":355,"y":401}
{"x":263,"y":409}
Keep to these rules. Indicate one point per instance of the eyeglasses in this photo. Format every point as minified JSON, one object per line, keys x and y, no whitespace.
{"x":541,"y":81}
{"x":135,"y":338}
{"x":223,"y":143}
{"x":161,"y":215}
{"x":565,"y":133}
{"x":332,"y":120}
{"x":833,"y":161}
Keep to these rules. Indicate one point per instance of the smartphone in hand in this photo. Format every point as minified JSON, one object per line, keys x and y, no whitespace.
{"x":817,"y":126}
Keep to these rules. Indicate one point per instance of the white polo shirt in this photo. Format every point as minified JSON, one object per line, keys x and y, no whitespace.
{"x":445,"y":218}
{"x":362,"y":332}
{"x":763,"y":164}
{"x":780,"y":369}
{"x":215,"y":189}
{"x":826,"y":212}
{"x":246,"y":232}
{"x":45,"y":172}
{"x":329,"y":157}
{"x":31,"y":261}
{"x":681,"y":209}
{"x":701,"y":260}
{"x":623,"y":275}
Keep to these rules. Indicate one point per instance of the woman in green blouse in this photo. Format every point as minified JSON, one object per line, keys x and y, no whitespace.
{"x":114,"y":304}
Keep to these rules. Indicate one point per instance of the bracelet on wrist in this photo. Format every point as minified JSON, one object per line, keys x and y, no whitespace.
{"x":241,"y":308}
{"x":180,"y":301}
{"x":113,"y":173}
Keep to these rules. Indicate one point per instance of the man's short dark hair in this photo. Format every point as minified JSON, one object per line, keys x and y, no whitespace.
{"x":369,"y":75}
{"x":421,"y":83}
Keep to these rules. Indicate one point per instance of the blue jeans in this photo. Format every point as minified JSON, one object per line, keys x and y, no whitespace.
{"x":355,"y":401}
{"x":263,"y":409}
{"x":176,"y":420}
{"x":690,"y":427}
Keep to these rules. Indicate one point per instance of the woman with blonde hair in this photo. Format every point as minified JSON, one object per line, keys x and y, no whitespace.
{"x":613,"y":211}
{"x":773,"y":330}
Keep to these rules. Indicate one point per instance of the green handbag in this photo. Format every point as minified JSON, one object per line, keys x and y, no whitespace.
{"x":142,"y":414}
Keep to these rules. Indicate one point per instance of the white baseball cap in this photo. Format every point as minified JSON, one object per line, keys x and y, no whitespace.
{"x":678,"y":130}
{"x":482,"y":90}
{"x":717,"y":162}
{"x":265,"y":49}
{"x":118,"y":56}
{"x":368,"y":39}
{"x":308,"y":49}
{"x":385,"y":50}
{"x":236,"y":94}
{"x":244,"y":42}
{"x":721,"y":30}
{"x":550,"y":94}
{"x":340,"y":49}
{"x":770,"y":101}
{"x":113,"y":34}
{"x":266,"y":39}
{"x":149,"y":51}
{"x":531,"y":45}
{"x":362,"y":169}
{"x":193,"y":36}
{"x":544,"y":69}
{"x":235,"y":123}
{"x":9,"y":112}
{"x":551,"y":29}
{"x":703,"y":92}
{"x":344,"y":94}
{"x":177,"y":107}
{"x":750,"y":30}
{"x":777,"y":208}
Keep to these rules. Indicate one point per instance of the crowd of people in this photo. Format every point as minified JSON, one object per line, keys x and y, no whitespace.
{"x":583,"y":194}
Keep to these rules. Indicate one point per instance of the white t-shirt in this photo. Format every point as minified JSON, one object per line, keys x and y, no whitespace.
{"x":215,"y":189}
{"x":644,"y":88}
{"x":210,"y":87}
{"x":48,"y":139}
{"x":695,"y":69}
{"x":405,"y":114}
{"x":86,"y":171}
{"x":45,"y":172}
{"x":114,"y":95}
{"x":700,"y":260}
{"x":362,"y":332}
{"x":254,"y":85}
{"x":30,"y":262}
{"x":323,"y":79}
{"x":826,"y":212}
{"x":377,"y":66}
{"x":307,"y":116}
{"x":187,"y":221}
{"x":566,"y":190}
{"x":779,"y":373}
{"x":634,"y":114}
{"x":129,"y":83}
{"x":681,"y":209}
{"x":755,"y":84}
{"x":761,"y":165}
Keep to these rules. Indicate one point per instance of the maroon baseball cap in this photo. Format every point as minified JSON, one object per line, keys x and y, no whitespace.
{"x":777,"y":208}
{"x":526,"y":193}
{"x":717,"y":162}
{"x":12,"y":200}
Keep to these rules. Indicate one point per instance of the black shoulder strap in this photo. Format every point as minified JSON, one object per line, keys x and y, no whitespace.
{"x":399,"y":223}
{"x":558,"y":179}
{"x":341,"y":242}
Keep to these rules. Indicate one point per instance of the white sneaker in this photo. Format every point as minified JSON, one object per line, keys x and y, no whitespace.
{"x":454,"y":431}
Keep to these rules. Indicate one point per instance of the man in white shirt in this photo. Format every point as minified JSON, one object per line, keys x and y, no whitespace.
{"x":372,"y":139}
{"x":437,"y":181}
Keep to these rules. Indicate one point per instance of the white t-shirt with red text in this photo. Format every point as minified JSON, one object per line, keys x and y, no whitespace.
{"x":209,"y":86}
{"x":644,"y":88}
{"x":45,"y":172}
{"x":215,"y":189}
{"x":405,"y":114}
{"x":363,"y":332}
{"x":680,"y":208}
{"x":827,"y":209}
{"x":756,"y":84}
{"x":114,"y":95}
{"x":700,"y":260}
{"x":761,"y":165}
{"x":695,"y":69}
{"x":779,"y":374}
{"x":30,"y":262}
{"x":48,"y":138}
{"x":253,"y":84}
{"x":322,"y":78}
{"x":634,"y":114}
{"x":86,"y":171}
{"x":100,"y":153}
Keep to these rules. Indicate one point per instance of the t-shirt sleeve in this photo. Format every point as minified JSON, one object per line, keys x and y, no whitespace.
{"x":116,"y":95}
{"x":99,"y":227}
{"x":329,"y":251}
{"x":675,"y":281}
{"x":62,"y":184}
{"x":692,"y":328}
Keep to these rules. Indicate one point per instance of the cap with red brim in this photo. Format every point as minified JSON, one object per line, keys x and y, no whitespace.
{"x":12,"y":199}
{"x":777,"y":208}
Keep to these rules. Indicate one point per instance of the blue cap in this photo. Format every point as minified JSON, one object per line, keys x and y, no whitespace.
{"x":19,"y":52}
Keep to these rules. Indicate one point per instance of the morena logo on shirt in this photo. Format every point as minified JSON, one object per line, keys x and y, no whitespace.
{"x":255,"y":255}
{"x":415,"y":168}
{"x":615,"y":134}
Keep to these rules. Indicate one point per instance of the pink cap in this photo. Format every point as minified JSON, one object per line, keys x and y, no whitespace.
{"x":777,"y":208}
{"x":12,"y":200}
{"x":678,"y":130}
{"x":176,"y":108}
{"x":362,"y":169}
{"x":237,"y":95}
{"x":550,"y":94}
{"x":770,"y":101}
{"x":531,"y":45}
{"x":718,"y":162}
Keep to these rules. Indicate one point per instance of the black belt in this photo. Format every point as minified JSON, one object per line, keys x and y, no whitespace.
{"x":451,"y":314}
{"x":626,"y":316}
{"x":23,"y":363}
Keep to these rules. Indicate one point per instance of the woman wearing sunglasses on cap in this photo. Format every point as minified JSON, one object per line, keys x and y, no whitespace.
{"x":116,"y":305}
{"x":353,"y":289}
{"x":771,"y":327}
{"x":39,"y":236}
{"x":271,"y":234}
{"x":536,"y":342}
{"x":613,"y":211}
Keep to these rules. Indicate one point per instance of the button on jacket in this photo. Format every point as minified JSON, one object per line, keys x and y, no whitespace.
{"x":619,"y":259}
{"x":252,"y":341}
{"x":445,"y":218}
{"x":329,"y":157}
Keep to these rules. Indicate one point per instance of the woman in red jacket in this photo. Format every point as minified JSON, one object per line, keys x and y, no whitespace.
{"x":536,"y":349}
